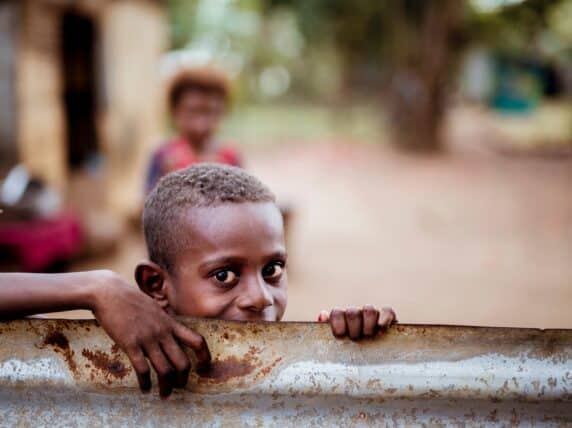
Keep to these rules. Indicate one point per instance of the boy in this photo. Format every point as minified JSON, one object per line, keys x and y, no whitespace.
{"x":196,"y":98}
{"x":216,"y":250}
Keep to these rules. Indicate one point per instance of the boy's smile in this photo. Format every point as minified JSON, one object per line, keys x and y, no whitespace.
{"x":235,"y":265}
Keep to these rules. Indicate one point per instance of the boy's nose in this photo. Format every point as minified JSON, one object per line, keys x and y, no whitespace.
{"x":257,"y":296}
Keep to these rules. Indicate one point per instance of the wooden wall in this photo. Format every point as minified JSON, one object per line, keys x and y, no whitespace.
{"x":8,"y":46}
{"x":133,"y":35}
{"x":40,"y":118}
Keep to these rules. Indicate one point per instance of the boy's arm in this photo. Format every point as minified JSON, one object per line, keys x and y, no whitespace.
{"x":358,"y":323}
{"x":131,"y":318}
{"x":23,"y":294}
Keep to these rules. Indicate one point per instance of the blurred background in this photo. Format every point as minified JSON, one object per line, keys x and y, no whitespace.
{"x":424,"y":148}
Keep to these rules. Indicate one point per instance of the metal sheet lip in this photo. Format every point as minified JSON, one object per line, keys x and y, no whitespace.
{"x":279,"y":372}
{"x":407,"y":325}
{"x":306,"y":323}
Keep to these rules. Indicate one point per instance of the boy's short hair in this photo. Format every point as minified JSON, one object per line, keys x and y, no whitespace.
{"x":207,"y":80}
{"x":201,"y":185}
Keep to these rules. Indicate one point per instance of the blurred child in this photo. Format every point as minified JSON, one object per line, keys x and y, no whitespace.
{"x":197,"y":99}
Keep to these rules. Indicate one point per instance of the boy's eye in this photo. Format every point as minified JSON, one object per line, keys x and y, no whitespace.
{"x":225,"y":277}
{"x":273,"y":270}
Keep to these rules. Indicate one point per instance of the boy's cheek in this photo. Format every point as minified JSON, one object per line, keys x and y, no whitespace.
{"x":280,"y":301}
{"x":183,"y":300}
{"x":201,"y":302}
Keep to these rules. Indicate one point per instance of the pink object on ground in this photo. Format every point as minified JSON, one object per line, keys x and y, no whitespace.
{"x":39,"y":243}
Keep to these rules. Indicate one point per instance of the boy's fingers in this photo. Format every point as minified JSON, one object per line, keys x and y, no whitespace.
{"x":178,"y":359}
{"x":338,"y":323}
{"x":324,"y":316}
{"x":387,"y":317}
{"x":370,"y":320}
{"x":197,"y":343}
{"x":165,"y":373}
{"x":354,"y":321}
{"x":141,"y":368}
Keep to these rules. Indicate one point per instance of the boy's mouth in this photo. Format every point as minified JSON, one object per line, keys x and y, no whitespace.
{"x":252,"y":316}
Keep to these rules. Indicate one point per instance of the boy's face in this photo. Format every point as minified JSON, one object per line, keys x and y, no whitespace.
{"x":235,"y":267}
{"x":198,"y":114}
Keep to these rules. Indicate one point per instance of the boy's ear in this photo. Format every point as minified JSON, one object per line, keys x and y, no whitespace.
{"x":151,"y":279}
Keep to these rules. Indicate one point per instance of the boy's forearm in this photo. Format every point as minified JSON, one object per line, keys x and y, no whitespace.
{"x":23,"y":294}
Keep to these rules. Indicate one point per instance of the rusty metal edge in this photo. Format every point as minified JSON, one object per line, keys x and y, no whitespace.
{"x":298,"y":365}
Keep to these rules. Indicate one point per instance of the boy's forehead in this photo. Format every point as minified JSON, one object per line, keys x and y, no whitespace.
{"x":231,"y":225}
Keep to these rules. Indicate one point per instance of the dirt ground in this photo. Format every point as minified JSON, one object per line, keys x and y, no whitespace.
{"x":459,"y":239}
{"x":464,"y":238}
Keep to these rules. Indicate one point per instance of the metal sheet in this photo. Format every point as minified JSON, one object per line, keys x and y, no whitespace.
{"x":69,"y":373}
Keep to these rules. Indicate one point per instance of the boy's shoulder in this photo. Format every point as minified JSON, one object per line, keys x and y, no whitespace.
{"x":174,"y":153}
{"x":169,"y":145}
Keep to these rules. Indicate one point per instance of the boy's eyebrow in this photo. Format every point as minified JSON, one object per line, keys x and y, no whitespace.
{"x":280,"y":254}
{"x":224,"y":260}
{"x":229,"y":260}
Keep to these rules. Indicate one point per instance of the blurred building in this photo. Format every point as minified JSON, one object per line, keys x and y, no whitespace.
{"x":79,"y":91}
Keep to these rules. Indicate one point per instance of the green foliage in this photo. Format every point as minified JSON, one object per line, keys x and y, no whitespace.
{"x":374,"y":32}
{"x":181,"y":13}
{"x":406,"y":50}
{"x":520,"y":28}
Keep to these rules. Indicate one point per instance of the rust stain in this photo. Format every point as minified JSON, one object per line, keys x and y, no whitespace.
{"x":266,"y":370}
{"x":108,"y":365}
{"x":57,"y":340}
{"x":223,"y":370}
{"x":61,"y":345}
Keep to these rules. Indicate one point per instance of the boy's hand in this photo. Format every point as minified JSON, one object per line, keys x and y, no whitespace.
{"x":144,"y":331}
{"x":357,"y":323}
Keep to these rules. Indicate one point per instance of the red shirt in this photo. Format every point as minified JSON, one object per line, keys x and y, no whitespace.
{"x":178,"y":154}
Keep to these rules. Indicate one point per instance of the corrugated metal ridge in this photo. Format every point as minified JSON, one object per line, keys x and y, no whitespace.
{"x":57,"y":372}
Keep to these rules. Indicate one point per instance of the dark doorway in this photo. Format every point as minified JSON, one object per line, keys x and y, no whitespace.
{"x":79,"y":40}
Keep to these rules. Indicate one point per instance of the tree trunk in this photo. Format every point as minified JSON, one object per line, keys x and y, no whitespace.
{"x":424,"y":57}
